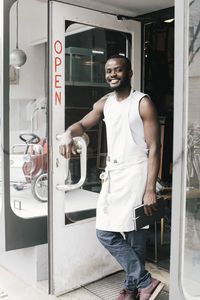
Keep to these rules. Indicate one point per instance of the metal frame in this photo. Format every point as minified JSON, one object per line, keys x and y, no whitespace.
{"x":17,"y":230}
{"x":179,"y":151}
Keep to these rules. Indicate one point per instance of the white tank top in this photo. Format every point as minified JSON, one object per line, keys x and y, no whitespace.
{"x":115,"y":112}
{"x":126,"y":169}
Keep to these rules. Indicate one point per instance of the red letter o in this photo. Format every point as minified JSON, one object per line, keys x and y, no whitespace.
{"x":55,"y":47}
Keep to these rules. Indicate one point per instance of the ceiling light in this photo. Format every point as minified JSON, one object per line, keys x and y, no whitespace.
{"x":97,"y":52}
{"x":169,"y":21}
{"x":89,"y":63}
{"x":17,"y":56}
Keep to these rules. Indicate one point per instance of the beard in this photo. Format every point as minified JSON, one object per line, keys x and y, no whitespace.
{"x":125,"y":82}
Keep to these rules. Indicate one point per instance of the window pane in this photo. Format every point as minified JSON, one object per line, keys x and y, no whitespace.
{"x":191,"y":271}
{"x":86,"y":51}
{"x":28,"y":98}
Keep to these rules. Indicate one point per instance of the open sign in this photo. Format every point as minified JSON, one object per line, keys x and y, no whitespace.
{"x":58,"y":76}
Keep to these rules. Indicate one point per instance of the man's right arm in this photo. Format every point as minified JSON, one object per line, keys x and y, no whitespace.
{"x":77,"y":129}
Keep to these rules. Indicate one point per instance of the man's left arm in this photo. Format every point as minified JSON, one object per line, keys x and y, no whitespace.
{"x":152,"y":136}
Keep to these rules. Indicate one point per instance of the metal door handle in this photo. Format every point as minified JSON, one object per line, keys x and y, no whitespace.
{"x":83,"y":166}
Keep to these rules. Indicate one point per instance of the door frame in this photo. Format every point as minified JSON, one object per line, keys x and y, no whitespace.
{"x":62,"y":11}
{"x":179,"y":150}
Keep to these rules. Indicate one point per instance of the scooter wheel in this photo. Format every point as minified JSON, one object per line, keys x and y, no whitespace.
{"x":39,"y":187}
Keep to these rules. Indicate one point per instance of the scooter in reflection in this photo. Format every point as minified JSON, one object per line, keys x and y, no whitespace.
{"x":33,"y":164}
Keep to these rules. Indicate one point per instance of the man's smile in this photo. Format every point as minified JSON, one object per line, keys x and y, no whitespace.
{"x":114,"y":80}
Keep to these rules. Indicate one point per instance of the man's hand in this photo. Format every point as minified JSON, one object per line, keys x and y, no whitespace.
{"x":150,"y":201}
{"x":67,"y":146}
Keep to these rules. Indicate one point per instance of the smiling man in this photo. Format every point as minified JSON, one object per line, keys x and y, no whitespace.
{"x":130,"y":176}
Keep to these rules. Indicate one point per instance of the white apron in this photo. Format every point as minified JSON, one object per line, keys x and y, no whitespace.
{"x":126,"y":171}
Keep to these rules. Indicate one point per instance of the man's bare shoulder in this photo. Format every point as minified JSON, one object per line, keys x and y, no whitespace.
{"x":146,"y":103}
{"x":99,"y":105}
{"x":147,"y":107}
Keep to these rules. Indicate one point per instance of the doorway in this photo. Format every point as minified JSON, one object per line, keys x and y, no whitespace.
{"x":158,"y":82}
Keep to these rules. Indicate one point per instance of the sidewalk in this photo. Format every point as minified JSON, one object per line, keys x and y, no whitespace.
{"x":12,"y":288}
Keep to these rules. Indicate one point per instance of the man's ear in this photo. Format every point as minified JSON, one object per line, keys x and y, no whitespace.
{"x":130,"y":74}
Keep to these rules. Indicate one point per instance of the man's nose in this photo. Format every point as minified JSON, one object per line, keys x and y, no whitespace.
{"x":113,"y":73}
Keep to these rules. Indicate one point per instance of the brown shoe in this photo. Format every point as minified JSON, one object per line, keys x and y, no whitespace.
{"x":127,"y":295}
{"x":151,"y":291}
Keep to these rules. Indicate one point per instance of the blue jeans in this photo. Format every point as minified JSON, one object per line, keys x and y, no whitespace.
{"x":130,"y":254}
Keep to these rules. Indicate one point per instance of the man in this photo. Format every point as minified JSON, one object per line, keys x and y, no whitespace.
{"x":130,"y":175}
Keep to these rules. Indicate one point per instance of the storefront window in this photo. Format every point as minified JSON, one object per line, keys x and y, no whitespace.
{"x":191,"y":271}
{"x":28,"y":106}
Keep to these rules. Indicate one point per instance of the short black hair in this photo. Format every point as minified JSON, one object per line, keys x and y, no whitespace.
{"x":126,"y":60}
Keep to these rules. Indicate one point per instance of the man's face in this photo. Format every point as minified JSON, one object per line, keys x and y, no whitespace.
{"x":116,"y":74}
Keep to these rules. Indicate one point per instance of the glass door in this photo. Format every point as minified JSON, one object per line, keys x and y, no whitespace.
{"x":81,"y":41}
{"x":185,"y":257}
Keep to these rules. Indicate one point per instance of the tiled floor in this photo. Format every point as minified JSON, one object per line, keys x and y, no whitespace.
{"x":12,"y":288}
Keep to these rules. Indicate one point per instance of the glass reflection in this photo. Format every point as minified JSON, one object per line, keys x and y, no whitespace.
{"x":191,"y":279}
{"x":28,"y":139}
{"x":86,"y":51}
